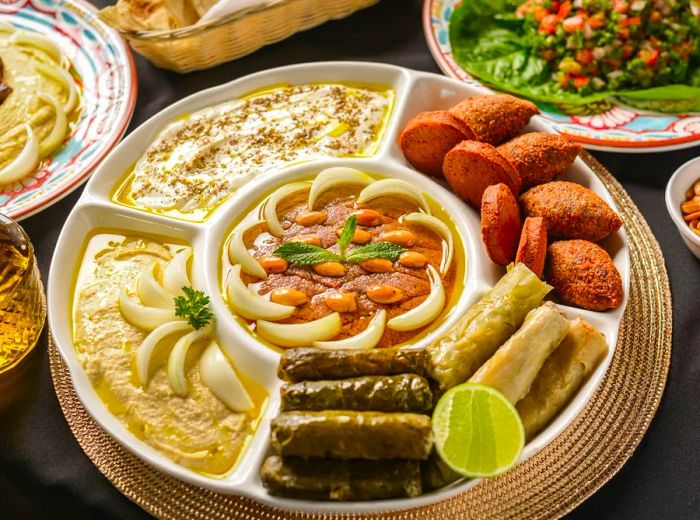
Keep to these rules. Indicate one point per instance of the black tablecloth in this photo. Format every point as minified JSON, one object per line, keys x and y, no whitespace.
{"x":44,"y":473}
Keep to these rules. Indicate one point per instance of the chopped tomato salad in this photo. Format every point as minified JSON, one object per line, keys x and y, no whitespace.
{"x":600,"y":45}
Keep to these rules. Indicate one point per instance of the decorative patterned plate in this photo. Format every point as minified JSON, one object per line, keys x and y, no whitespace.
{"x":620,"y":129}
{"x":106,"y":69}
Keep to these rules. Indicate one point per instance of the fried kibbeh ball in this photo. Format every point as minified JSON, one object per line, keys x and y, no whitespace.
{"x":539,"y":157}
{"x":571,"y":211}
{"x":495,"y":118}
{"x":532,"y":248}
{"x":429,"y":136}
{"x":471,"y":167}
{"x":583,"y":274}
{"x":500,"y":223}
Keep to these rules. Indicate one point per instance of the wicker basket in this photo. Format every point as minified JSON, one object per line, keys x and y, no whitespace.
{"x":223,"y":39}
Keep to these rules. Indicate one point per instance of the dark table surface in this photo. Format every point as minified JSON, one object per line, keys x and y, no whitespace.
{"x":44,"y":473}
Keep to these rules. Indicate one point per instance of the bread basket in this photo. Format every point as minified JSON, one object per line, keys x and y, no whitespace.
{"x":211,"y":43}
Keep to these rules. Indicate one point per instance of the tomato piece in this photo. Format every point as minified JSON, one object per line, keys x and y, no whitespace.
{"x":581,"y":82}
{"x":573,"y":23}
{"x":548,"y":25}
{"x":621,"y":6}
{"x":649,"y":56}
{"x":632,"y":20}
{"x":597,"y":21}
{"x":564,"y":10}
{"x":584,"y":56}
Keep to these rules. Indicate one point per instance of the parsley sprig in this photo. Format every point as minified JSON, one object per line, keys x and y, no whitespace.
{"x":194,"y":306}
{"x":299,"y":253}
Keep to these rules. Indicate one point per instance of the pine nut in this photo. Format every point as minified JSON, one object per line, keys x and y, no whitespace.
{"x":377,"y":265}
{"x":402,"y":237}
{"x":341,"y":302}
{"x":288,"y":296}
{"x":384,"y":294}
{"x":273,"y":264}
{"x":329,"y":269}
{"x":311,"y":218}
{"x":413,"y":259}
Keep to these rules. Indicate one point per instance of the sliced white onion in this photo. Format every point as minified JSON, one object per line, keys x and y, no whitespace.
{"x":427,"y":311}
{"x":149,"y":344}
{"x":300,"y":334}
{"x":238,"y":252}
{"x":250,"y":304}
{"x":269,"y":210}
{"x":393,"y":188}
{"x":175,"y":272}
{"x":42,"y":43}
{"x":61,"y":76}
{"x":25,"y":162}
{"x":218,"y":374}
{"x":147,"y":318}
{"x":366,"y":339}
{"x":150,"y":291}
{"x":176,"y":360}
{"x":60,"y":126}
{"x":439,"y":227}
{"x":331,"y":177}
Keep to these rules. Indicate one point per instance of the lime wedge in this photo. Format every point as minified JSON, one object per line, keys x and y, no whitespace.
{"x":478,"y":432}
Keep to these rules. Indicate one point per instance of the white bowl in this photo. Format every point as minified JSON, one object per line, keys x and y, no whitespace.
{"x":415,"y":91}
{"x":678,"y":184}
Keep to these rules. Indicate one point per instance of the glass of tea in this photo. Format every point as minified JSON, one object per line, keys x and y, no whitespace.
{"x":22,"y":301}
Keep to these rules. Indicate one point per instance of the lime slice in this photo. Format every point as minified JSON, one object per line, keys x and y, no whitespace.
{"x":478,"y":432}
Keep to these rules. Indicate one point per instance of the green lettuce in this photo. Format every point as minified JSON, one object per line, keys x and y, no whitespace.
{"x":488,"y":42}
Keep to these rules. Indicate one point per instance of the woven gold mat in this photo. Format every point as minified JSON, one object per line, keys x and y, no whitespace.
{"x":548,"y":485}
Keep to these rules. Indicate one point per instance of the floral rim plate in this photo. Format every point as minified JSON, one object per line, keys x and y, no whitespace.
{"x":619,"y":129}
{"x":106,"y":68}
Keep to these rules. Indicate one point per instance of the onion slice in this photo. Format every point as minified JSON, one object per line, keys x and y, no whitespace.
{"x":393,"y":188}
{"x":238,"y":252}
{"x":216,"y":372}
{"x":427,"y":311}
{"x":37,"y":41}
{"x":150,"y":291}
{"x":336,"y":176}
{"x":7,"y":27}
{"x":300,"y":334}
{"x":149,"y":344}
{"x":175,"y":273}
{"x":269,"y":209}
{"x":25,"y":162}
{"x":60,"y":126}
{"x":366,"y":339}
{"x":147,"y":318}
{"x":61,"y":76}
{"x":439,"y":227}
{"x":250,"y":304}
{"x":176,"y":360}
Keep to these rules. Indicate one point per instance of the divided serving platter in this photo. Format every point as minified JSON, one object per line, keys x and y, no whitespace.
{"x":414,"y":92}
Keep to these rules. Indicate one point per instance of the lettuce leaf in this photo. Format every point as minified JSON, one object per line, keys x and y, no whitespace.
{"x":487,"y":41}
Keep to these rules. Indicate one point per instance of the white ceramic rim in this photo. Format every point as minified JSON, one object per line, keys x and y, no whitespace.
{"x":674,"y":205}
{"x":415,"y":91}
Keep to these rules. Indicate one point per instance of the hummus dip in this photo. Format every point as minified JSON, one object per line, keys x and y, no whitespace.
{"x":197,"y":431}
{"x":198,"y":161}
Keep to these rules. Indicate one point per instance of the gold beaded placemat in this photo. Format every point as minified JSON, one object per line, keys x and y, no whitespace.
{"x":548,"y":485}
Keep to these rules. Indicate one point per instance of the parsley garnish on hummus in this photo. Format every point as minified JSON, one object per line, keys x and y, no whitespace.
{"x":195,"y":307}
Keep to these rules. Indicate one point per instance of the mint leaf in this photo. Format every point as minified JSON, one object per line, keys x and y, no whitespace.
{"x":374,"y":250}
{"x":347,"y":234}
{"x":194,"y":306}
{"x":299,"y":253}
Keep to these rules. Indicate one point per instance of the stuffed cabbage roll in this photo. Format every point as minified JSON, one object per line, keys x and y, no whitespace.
{"x":352,"y":435}
{"x":401,"y":393}
{"x":580,"y":352}
{"x":301,"y":364}
{"x":486,"y":326}
{"x":328,"y":479}
{"x":514,"y":366}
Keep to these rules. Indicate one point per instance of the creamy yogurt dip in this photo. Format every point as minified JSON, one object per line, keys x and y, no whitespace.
{"x":198,"y":161}
{"x":197,"y":430}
